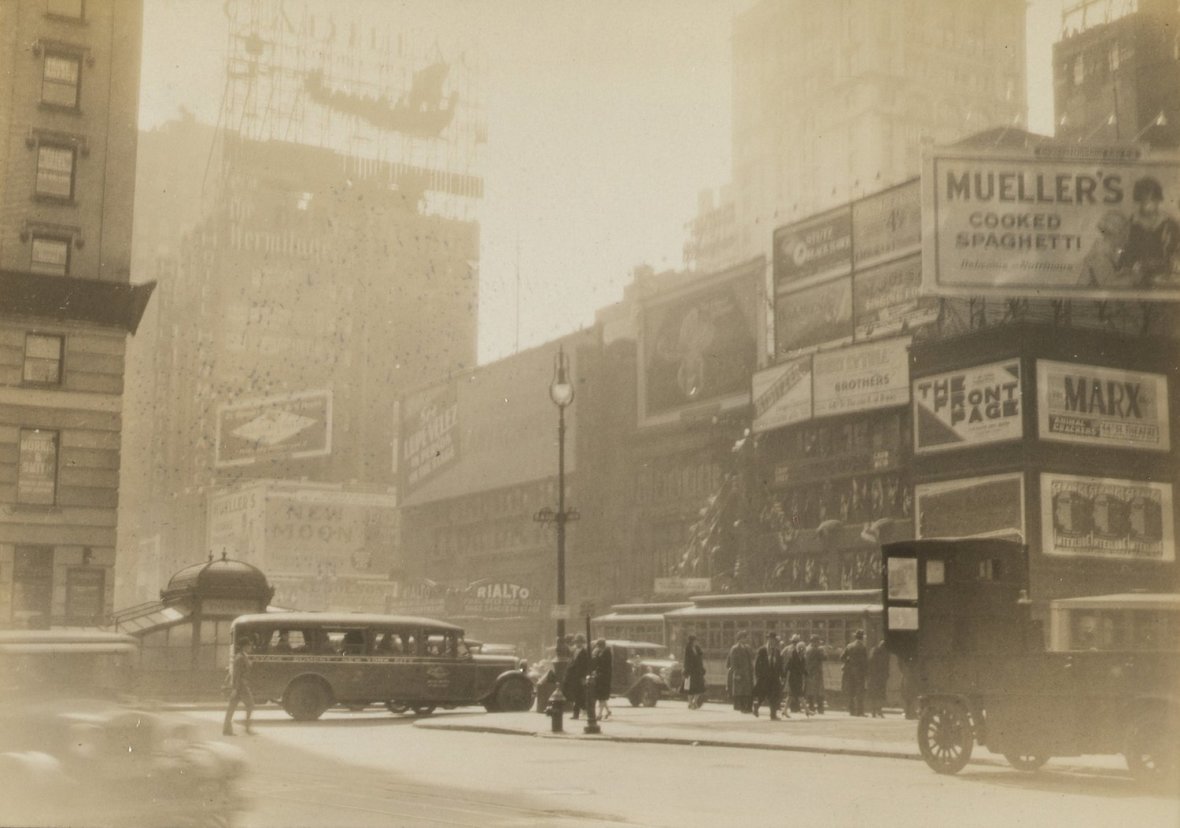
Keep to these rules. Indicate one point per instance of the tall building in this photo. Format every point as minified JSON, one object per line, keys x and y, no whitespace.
{"x":68,"y":112}
{"x":1117,"y":78}
{"x":831,"y":101}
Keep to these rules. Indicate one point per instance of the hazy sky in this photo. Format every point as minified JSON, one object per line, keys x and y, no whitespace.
{"x":604,"y":120}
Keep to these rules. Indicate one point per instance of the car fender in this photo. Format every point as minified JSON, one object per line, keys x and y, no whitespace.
{"x":508,"y":675}
{"x":646,"y":679}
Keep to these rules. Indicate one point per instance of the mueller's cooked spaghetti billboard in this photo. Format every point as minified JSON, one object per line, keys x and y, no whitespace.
{"x":1056,"y":220}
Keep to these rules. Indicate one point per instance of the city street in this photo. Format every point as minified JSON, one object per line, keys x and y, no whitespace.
{"x":356,"y":769}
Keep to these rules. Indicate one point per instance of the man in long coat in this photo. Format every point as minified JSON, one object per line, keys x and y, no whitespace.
{"x":813,"y":658}
{"x":856,"y":670}
{"x":768,"y":676}
{"x":878,"y":679}
{"x":796,"y":668}
{"x":739,"y":665}
{"x":573,"y":685}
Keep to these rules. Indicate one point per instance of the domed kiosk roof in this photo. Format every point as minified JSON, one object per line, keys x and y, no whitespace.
{"x":218,"y":579}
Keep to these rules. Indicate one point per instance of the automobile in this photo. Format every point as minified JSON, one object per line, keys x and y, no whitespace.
{"x":641,"y":671}
{"x":76,"y":748}
{"x":309,"y":661}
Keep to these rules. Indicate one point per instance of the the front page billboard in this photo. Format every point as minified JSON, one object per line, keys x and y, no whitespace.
{"x":1053,"y":221}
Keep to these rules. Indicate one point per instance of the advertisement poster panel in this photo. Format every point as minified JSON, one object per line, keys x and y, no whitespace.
{"x":968,"y":407}
{"x":36,"y":482}
{"x":813,"y":249}
{"x":235,"y":523}
{"x":328,"y":535}
{"x":1102,"y":406}
{"x":887,"y":224}
{"x":885,"y":299}
{"x":429,"y":434}
{"x":782,"y":394}
{"x":974,"y":507}
{"x":1057,"y":220}
{"x":700,"y":346}
{"x":814,"y":316}
{"x":862,"y":377}
{"x":1095,"y":517}
{"x":285,"y":427}
{"x":491,"y":598}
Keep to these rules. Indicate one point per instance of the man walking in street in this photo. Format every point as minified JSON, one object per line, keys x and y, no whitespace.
{"x":813,"y":658}
{"x":768,"y":676}
{"x":793,"y":663}
{"x":239,"y":684}
{"x":856,"y":669}
{"x":573,"y":685}
{"x":739,"y":665}
{"x":878,"y":679}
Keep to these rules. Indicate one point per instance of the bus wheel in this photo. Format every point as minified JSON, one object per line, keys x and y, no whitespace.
{"x":397,"y":707}
{"x":1028,"y":762}
{"x":423,"y":709}
{"x":514,"y":695}
{"x":1151,"y":751}
{"x":306,"y":700}
{"x":944,"y":736}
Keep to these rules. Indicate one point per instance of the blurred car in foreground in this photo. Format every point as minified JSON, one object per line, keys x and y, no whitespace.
{"x":74,"y":749}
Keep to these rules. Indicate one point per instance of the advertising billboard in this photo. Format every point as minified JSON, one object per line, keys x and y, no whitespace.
{"x":968,"y":407}
{"x":860,"y":378}
{"x":782,"y":394}
{"x":1102,"y":406}
{"x":285,"y":427}
{"x":1094,"y":517}
{"x":1057,"y":220}
{"x":814,"y":316}
{"x":974,"y":507}
{"x":813,"y":249}
{"x":887,"y":225}
{"x":429,"y":439}
{"x":885,"y":299}
{"x":328,"y":535}
{"x":236,"y":522}
{"x":699,"y":346}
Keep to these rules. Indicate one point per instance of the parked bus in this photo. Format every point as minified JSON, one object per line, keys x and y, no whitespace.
{"x":309,"y":661}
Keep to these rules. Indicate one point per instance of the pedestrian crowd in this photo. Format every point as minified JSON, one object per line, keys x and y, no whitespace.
{"x":596,"y":664}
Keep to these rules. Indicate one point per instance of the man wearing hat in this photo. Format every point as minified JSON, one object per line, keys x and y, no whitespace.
{"x":768,"y":676}
{"x":813,"y":659}
{"x":856,"y":669}
{"x":239,"y":687}
{"x":573,"y":686}
{"x":796,"y":668}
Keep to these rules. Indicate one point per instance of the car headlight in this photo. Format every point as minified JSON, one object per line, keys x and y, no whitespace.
{"x":666,"y":674}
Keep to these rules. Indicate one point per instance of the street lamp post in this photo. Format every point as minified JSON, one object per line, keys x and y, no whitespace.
{"x":561,"y":392}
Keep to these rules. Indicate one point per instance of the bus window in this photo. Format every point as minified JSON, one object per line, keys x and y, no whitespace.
{"x":389,"y":644}
{"x":353,"y":643}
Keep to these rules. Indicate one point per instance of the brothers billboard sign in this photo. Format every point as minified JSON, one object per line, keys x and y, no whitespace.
{"x":1053,"y":221}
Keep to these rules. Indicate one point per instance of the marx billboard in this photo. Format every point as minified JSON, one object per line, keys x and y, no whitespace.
{"x":1063,"y":221}
{"x":1102,"y":406}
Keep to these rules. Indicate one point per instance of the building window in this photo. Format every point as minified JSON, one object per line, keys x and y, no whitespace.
{"x":61,"y":80}
{"x":55,"y":171}
{"x":84,"y":595}
{"x":32,"y":586}
{"x":43,"y":359}
{"x":36,"y":481}
{"x":51,"y":256}
{"x":72,"y":9}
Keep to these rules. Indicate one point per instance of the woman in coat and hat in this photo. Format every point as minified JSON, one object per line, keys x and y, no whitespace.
{"x":739,"y":666}
{"x":796,"y":667}
{"x":694,"y":673}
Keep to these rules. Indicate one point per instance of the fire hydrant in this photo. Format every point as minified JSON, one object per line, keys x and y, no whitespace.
{"x":556,"y":710}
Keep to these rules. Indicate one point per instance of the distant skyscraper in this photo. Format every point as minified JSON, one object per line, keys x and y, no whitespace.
{"x":831,"y":101}
{"x":1117,"y":78}
{"x":68,"y":111}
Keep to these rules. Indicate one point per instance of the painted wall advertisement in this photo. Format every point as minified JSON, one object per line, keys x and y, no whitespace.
{"x":885,"y":299}
{"x":289,"y":426}
{"x":700,"y":346}
{"x":813,"y":249}
{"x":500,"y":599}
{"x":328,"y":535}
{"x":974,"y":507}
{"x":861,"y":378}
{"x":429,"y":434}
{"x":1094,"y":517}
{"x":968,"y":407}
{"x":887,"y":225}
{"x":1053,"y":221}
{"x":814,"y":316}
{"x":1102,"y":406}
{"x":782,"y":394}
{"x":37,"y":481}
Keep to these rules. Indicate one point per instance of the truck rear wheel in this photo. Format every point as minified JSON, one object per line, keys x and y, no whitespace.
{"x":945,"y":737}
{"x":306,"y":700}
{"x":514,"y":695}
{"x":1151,"y":751}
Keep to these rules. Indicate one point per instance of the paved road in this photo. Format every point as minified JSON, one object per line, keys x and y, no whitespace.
{"x":362,"y":769}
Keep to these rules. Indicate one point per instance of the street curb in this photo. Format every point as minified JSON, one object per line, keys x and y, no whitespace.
{"x":721,"y":743}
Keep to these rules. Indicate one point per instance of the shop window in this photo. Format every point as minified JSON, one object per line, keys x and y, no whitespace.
{"x":85,"y":587}
{"x":55,"y":171}
{"x":43,"y":358}
{"x":32,"y":586}
{"x":50,"y":256}
{"x":36,"y":481}
{"x":71,"y":9}
{"x":61,"y":79}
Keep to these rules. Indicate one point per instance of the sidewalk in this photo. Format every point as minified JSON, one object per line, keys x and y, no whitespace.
{"x":717,"y":725}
